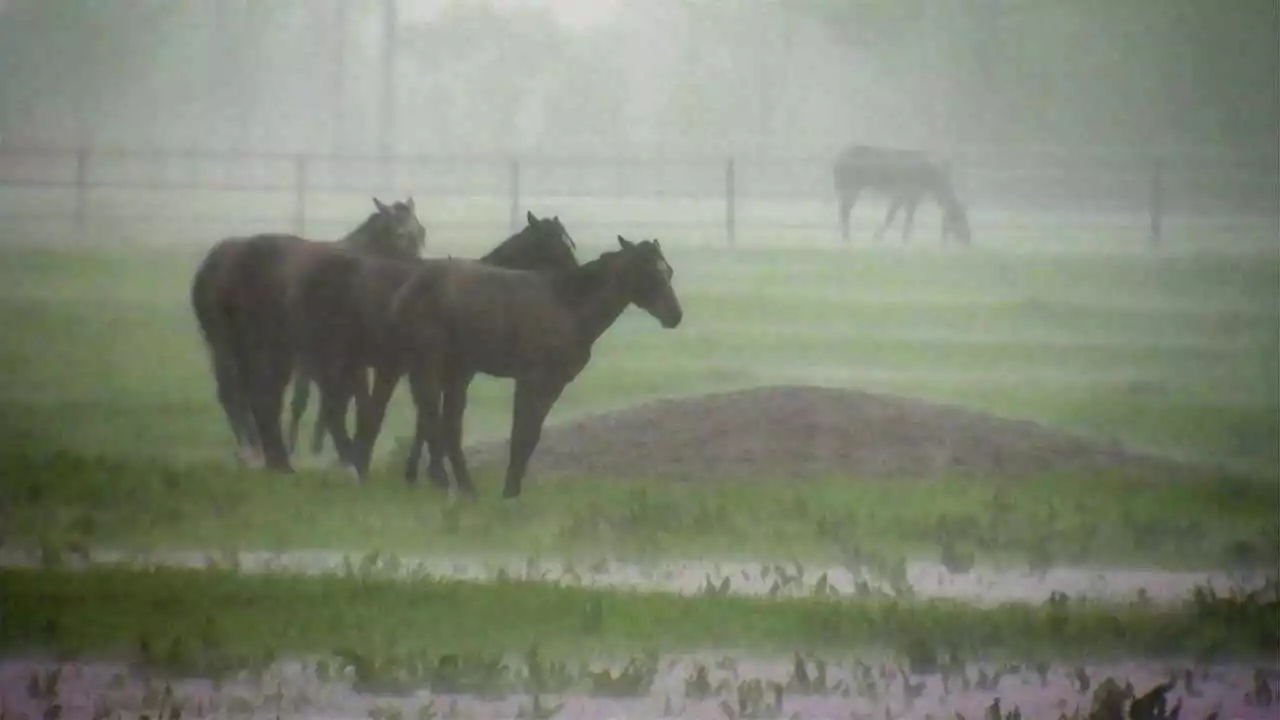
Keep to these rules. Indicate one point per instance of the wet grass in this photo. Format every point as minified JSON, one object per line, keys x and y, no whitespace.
{"x":189,"y":620}
{"x":68,"y":501}
{"x":1178,"y":353}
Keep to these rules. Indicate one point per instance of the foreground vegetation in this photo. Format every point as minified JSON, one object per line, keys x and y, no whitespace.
{"x":195,"y":620}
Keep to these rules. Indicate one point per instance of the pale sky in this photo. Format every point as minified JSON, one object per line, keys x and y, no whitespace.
{"x":575,"y":14}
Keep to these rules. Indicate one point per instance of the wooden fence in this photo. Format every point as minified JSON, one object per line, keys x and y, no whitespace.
{"x":1062,"y":181}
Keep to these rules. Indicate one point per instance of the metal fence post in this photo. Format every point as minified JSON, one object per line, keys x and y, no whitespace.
{"x":730,"y":203}
{"x":82,"y":190}
{"x":1156,"y":180}
{"x":300,"y":195}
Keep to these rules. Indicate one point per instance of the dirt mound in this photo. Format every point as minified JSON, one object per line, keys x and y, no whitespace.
{"x":786,"y":432}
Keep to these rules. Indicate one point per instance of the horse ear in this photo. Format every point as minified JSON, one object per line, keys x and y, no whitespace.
{"x":378,"y":204}
{"x":409,"y":202}
{"x":624,"y":243}
{"x":528,"y":214}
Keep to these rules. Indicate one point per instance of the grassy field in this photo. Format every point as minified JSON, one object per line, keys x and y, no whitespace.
{"x":182,"y":617}
{"x":1176,"y":351}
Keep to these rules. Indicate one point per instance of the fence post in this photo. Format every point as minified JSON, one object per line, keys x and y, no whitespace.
{"x":1156,"y":208}
{"x":82,"y":190}
{"x":730,"y":203}
{"x":513,"y":169}
{"x":300,"y":195}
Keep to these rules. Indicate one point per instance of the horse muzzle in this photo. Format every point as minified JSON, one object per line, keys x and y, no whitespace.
{"x":671,"y":320}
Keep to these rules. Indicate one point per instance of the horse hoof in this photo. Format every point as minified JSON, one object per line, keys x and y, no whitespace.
{"x":278,"y":464}
{"x":510,"y":494}
{"x":249,"y":457}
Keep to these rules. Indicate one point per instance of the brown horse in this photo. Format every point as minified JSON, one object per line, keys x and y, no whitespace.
{"x":461,"y":318}
{"x":344,"y":310}
{"x":906,"y":176}
{"x":240,"y":295}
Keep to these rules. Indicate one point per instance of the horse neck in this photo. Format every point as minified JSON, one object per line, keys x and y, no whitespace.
{"x":510,"y":253}
{"x":592,"y":295}
{"x":366,"y":238}
{"x":939,"y":186}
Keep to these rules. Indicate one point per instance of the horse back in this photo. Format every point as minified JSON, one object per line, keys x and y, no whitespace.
{"x":503,"y":321}
{"x":886,"y":167}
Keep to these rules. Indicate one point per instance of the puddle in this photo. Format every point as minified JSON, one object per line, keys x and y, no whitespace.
{"x":291,"y":689}
{"x":982,"y":585}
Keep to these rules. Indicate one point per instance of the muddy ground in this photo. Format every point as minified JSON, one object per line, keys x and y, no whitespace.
{"x":854,"y":688}
{"x":983,"y":585}
{"x":790,"y":432}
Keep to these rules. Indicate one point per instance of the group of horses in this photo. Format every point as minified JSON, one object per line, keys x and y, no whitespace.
{"x":276,"y":307}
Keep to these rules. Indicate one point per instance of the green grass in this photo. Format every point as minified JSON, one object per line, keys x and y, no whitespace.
{"x":110,"y":611}
{"x":68,"y":501}
{"x":1177,"y":352}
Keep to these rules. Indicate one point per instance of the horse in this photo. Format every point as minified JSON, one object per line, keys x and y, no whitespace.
{"x":906,"y":176}
{"x":240,"y":295}
{"x":542,"y":243}
{"x":344,"y":308}
{"x":461,"y":318}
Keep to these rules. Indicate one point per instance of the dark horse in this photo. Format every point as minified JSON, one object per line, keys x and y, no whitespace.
{"x":241,"y":295}
{"x":906,"y":176}
{"x":543,"y":244}
{"x":345,"y":307}
{"x":462,"y":318}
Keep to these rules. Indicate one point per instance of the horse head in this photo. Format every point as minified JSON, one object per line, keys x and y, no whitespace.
{"x":646,"y":278}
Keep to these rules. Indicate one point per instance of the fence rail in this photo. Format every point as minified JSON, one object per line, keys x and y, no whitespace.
{"x":1134,"y":183}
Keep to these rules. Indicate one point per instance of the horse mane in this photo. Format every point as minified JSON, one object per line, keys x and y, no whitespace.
{"x":516,"y":245}
{"x":507,"y":247}
{"x":369,"y":236}
{"x":575,"y":283}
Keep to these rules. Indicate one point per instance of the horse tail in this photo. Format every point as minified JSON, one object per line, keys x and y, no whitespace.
{"x":206,"y":303}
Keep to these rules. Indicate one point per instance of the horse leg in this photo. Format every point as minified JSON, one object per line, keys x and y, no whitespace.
{"x":267,"y":401}
{"x":424,"y":383}
{"x":369,"y":418}
{"x":533,"y":402}
{"x":317,"y":438}
{"x":235,"y":407}
{"x":455,"y":407}
{"x":357,"y":390}
{"x":907,"y":222}
{"x":336,"y":388}
{"x":847,"y":200}
{"x":889,"y":216}
{"x":298,"y":404}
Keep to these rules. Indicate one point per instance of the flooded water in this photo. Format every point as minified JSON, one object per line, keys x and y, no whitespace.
{"x":854,"y":687}
{"x":292,"y":689}
{"x":982,"y":585}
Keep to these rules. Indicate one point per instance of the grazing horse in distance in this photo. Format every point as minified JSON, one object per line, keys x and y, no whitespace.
{"x":240,"y":295}
{"x":344,"y":310}
{"x":463,"y":317}
{"x":906,"y":176}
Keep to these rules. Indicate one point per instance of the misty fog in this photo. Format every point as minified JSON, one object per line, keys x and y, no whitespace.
{"x":794,"y":78}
